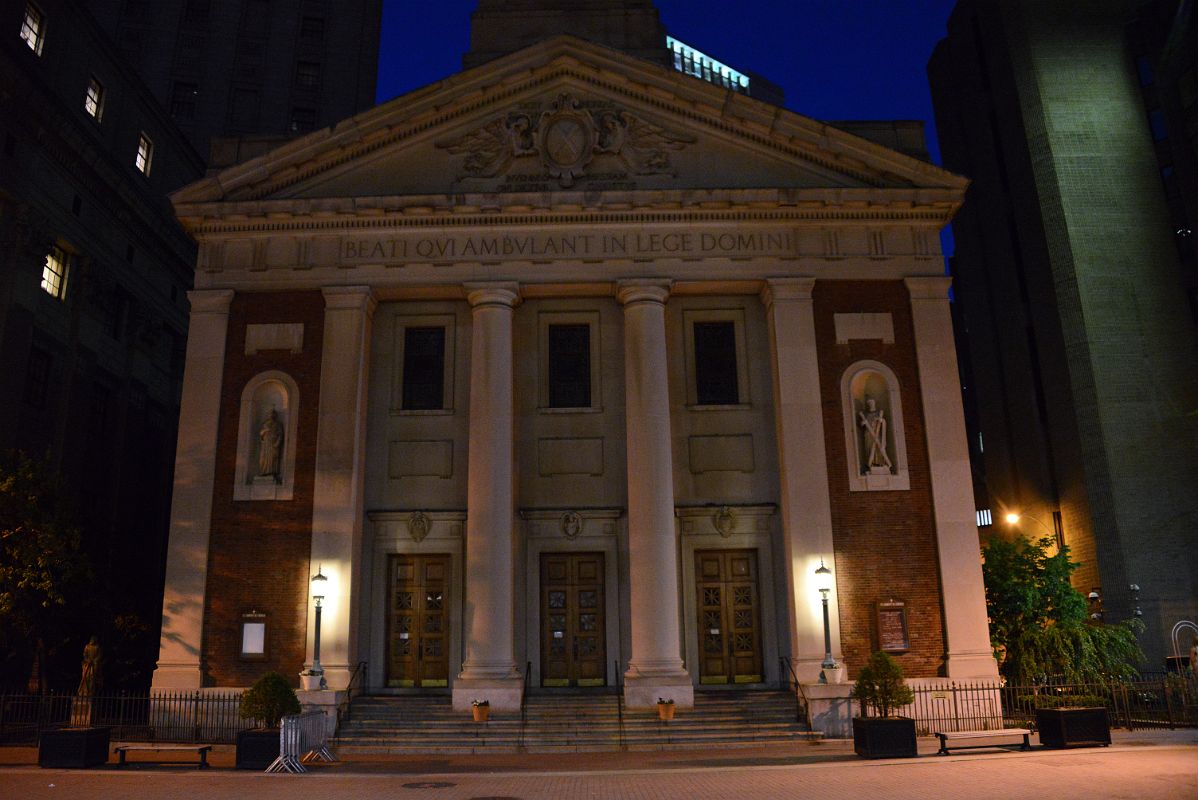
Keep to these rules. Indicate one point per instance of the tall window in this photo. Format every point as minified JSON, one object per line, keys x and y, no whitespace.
{"x":183,"y":100}
{"x":37,"y":377}
{"x":307,"y":74}
{"x":33,"y":28}
{"x":303,"y":119}
{"x":716,"y":381}
{"x":569,"y":366}
{"x":54,"y":273}
{"x":93,"y":99}
{"x":145,"y":154}
{"x":424,"y":369}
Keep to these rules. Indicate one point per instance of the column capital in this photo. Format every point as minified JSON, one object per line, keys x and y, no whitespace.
{"x":493,"y":293}
{"x":929,"y":288}
{"x":210,"y":301}
{"x":781,"y":290}
{"x":654,"y":290}
{"x":349,"y":298}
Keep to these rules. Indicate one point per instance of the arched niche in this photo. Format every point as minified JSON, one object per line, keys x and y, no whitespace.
{"x":257,"y":478}
{"x":875,"y":442}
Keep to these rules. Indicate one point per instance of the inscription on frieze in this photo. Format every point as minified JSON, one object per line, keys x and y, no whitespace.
{"x":531,"y":148}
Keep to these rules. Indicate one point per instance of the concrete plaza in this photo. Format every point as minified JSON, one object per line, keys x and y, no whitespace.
{"x":1145,"y":765}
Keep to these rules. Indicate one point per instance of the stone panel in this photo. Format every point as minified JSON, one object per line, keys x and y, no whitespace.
{"x":428,"y":458}
{"x":721,"y":453}
{"x":570,"y":456}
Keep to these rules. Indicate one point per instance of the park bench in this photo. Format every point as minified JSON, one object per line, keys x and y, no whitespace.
{"x":971,"y":735}
{"x":200,"y":749}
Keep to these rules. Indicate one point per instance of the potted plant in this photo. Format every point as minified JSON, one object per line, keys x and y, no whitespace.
{"x":269,"y":700}
{"x":880,"y":689}
{"x":481,"y":710}
{"x":665,"y":708}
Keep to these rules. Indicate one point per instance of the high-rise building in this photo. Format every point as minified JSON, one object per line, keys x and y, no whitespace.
{"x":249,"y":67}
{"x":1074,"y":275}
{"x":94,"y":273}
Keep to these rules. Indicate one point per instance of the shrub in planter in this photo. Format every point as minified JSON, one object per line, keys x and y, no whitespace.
{"x":1073,"y":727}
{"x":881,"y":689}
{"x":269,"y":700}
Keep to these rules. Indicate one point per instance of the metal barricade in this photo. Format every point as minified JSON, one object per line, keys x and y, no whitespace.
{"x":302,"y":738}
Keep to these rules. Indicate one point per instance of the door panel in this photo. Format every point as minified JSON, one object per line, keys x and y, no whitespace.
{"x":418,"y":621}
{"x":573,"y":625}
{"x":729,"y":616}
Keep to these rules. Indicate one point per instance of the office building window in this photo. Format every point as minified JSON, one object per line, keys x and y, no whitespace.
{"x":54,"y":273}
{"x":145,"y":154}
{"x":93,"y":99}
{"x":311,"y":30}
{"x":1156,"y":122}
{"x":183,"y":100}
{"x":716,"y":381}
{"x":303,"y":119}
{"x":423,"y":368}
{"x":569,"y":367}
{"x":307,"y":74}
{"x":33,"y":28}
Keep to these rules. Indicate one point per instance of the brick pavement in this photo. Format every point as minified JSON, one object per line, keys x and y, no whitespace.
{"x":1142,"y":765}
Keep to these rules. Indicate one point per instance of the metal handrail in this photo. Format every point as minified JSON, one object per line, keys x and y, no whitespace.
{"x":619,"y":703}
{"x":802,"y":703}
{"x":344,"y":707}
{"x":524,"y":703}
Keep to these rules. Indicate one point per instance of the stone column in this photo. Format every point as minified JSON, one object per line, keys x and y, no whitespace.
{"x":489,"y":670}
{"x":803,"y":470}
{"x":655,"y":668}
{"x":191,"y":504}
{"x":337,"y":502}
{"x":965,"y":627}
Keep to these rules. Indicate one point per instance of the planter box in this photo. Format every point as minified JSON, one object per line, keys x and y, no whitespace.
{"x":73,"y":748}
{"x":257,"y":749}
{"x":884,"y":737}
{"x":1073,"y":727}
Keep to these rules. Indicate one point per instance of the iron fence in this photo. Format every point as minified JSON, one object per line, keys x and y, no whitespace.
{"x":190,"y":717}
{"x":1168,"y":702}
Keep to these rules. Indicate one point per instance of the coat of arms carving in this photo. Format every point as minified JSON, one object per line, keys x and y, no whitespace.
{"x":567,"y":138}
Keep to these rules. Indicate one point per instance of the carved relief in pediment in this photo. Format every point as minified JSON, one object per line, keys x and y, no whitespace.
{"x":567,"y":141}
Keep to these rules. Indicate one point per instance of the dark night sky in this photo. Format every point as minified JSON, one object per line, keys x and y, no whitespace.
{"x":835,"y":59}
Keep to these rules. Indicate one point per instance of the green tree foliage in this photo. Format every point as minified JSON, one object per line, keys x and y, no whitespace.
{"x":1039,"y":624}
{"x":40,"y":561}
{"x":880,"y":686}
{"x":270,"y":699}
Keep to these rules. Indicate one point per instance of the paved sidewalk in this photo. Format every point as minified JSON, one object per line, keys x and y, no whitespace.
{"x":1145,"y":765}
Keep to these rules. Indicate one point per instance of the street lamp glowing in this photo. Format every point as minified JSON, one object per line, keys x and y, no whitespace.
{"x":1012,"y":518}
{"x":318,"y":583}
{"x":318,"y":588}
{"x":823,"y":581}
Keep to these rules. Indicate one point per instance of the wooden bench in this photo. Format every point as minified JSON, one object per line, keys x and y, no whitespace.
{"x":200,"y":749}
{"x":992,"y":734}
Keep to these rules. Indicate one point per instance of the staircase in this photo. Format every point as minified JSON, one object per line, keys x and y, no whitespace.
{"x":564,"y":722}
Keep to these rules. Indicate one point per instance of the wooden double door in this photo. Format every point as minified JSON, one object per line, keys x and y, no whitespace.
{"x":418,"y":621}
{"x":729,"y":621}
{"x":573,"y":624}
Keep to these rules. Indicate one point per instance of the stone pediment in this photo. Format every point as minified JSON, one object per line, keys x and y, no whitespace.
{"x":567,"y":115}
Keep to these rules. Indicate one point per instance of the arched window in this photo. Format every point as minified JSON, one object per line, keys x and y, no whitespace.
{"x":266,"y":438}
{"x":873,"y":428}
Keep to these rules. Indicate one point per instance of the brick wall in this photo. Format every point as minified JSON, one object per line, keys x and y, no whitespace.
{"x":259,"y":554}
{"x":885,"y":542}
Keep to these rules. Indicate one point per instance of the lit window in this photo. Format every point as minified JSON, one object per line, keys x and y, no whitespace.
{"x":54,"y":273}
{"x":33,"y":28}
{"x":93,"y":101}
{"x":985,"y":517}
{"x":145,"y":154}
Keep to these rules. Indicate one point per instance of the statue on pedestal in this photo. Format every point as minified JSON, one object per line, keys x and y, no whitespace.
{"x":270,"y":447}
{"x":873,"y":422}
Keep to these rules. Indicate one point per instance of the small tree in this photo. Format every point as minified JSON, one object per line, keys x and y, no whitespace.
{"x":270,"y":699}
{"x":880,"y":686}
{"x":1039,"y":625}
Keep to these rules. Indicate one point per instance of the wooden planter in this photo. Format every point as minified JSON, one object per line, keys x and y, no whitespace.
{"x":73,"y":748}
{"x":257,"y":749}
{"x":884,"y":737}
{"x":481,"y":713}
{"x":1073,"y":727}
{"x":665,"y":711}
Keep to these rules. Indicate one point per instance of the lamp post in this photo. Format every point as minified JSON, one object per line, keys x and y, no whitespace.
{"x":318,"y":584}
{"x":823,"y":578}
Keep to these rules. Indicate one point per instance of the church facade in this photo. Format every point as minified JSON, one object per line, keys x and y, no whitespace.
{"x":570,"y":371}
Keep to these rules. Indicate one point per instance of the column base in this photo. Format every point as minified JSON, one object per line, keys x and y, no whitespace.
{"x":978,"y":666}
{"x":177,"y":676}
{"x":322,"y":700}
{"x":831,"y":709}
{"x":504,"y":694}
{"x":643,"y":691}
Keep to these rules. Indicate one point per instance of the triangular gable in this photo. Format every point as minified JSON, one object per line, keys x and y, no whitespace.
{"x":567,"y":114}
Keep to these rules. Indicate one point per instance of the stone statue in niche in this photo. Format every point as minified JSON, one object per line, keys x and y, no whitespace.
{"x":270,"y":447}
{"x":873,"y":424}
